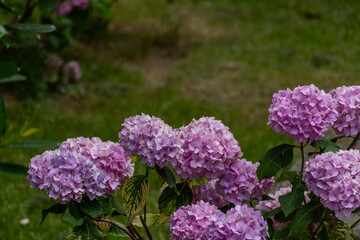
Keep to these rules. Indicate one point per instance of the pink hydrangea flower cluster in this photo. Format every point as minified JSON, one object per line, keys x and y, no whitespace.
{"x":209,"y":148}
{"x":240,"y":182}
{"x":65,"y":7}
{"x":207,"y":192}
{"x":304,"y":113}
{"x":348,"y":106}
{"x":155,"y":142}
{"x":108,"y":157}
{"x":72,"y":71}
{"x":240,"y":222}
{"x":335,"y":178}
{"x":191,"y":222}
{"x":66,"y":176}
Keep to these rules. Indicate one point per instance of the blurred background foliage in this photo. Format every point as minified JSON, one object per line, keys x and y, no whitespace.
{"x":176,"y":60}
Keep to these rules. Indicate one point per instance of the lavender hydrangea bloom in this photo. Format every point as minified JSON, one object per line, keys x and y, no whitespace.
{"x":348,"y":106}
{"x":63,"y":8}
{"x":209,"y":148}
{"x":151,"y":139}
{"x":72,"y":71}
{"x":240,"y":222}
{"x":208,"y":193}
{"x":240,"y":182}
{"x":304,"y":113}
{"x":82,"y":4}
{"x":66,"y":176}
{"x":191,"y":222}
{"x":108,"y":157}
{"x":335,"y":178}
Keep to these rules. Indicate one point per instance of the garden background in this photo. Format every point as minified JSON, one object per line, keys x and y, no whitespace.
{"x":176,"y":60}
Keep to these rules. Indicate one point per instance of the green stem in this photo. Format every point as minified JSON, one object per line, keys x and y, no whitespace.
{"x":302,"y":161}
{"x":352,"y":144}
{"x":147,"y":176}
{"x":355,"y":223}
{"x":146,"y":228}
{"x":116,"y":225}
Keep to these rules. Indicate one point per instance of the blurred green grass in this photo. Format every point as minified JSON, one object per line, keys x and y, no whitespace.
{"x":180,"y":61}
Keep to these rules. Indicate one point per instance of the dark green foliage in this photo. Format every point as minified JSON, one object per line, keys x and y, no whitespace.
{"x":170,"y":200}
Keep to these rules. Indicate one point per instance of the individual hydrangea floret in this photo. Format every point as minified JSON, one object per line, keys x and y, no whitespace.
{"x":66,"y":176}
{"x":72,"y":71}
{"x":348,"y":105}
{"x":240,"y":222}
{"x":108,"y":157}
{"x":209,"y":148}
{"x":240,"y":182}
{"x":191,"y":222}
{"x":335,"y":178}
{"x":304,"y":113}
{"x":155,"y":142}
{"x":208,"y":193}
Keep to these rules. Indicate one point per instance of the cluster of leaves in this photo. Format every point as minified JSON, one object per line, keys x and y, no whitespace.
{"x":94,"y":219}
{"x":309,"y":220}
{"x":23,"y":44}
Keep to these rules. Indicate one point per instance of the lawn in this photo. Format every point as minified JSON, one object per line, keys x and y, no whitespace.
{"x":178,"y":61}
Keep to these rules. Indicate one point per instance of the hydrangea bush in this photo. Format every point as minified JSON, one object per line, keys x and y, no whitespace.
{"x":207,"y":191}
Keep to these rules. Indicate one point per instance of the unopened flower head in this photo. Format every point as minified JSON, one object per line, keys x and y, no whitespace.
{"x":348,"y":105}
{"x":304,"y":113}
{"x":155,"y":142}
{"x":208,"y":193}
{"x":66,"y":175}
{"x":108,"y":157}
{"x":240,"y":222}
{"x":209,"y":148}
{"x":191,"y":222}
{"x":335,"y":178}
{"x":240,"y":183}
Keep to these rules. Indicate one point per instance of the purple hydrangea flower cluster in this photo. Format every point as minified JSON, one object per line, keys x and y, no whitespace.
{"x":108,"y":157}
{"x":240,"y":182}
{"x":72,"y":71}
{"x":207,"y":192}
{"x":65,"y":7}
{"x":155,"y":142}
{"x":240,"y":222}
{"x":335,"y":178}
{"x":191,"y":222}
{"x":54,"y":61}
{"x":66,"y":175}
{"x":209,"y":148}
{"x":348,"y":106}
{"x":304,"y":113}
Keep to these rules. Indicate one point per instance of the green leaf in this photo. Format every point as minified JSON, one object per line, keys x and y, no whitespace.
{"x":57,"y":208}
{"x":170,"y":201}
{"x":3,"y":31}
{"x":280,"y":217}
{"x":14,"y":169}
{"x":74,"y":214}
{"x":134,"y":193}
{"x":118,"y":207}
{"x":282,"y":233}
{"x":269,"y":213}
{"x":270,"y":226}
{"x":30,"y":132}
{"x":341,"y":231}
{"x":7,"y":69}
{"x":15,"y":78}
{"x":275,"y":159}
{"x":227,"y":207}
{"x":106,"y":206}
{"x":32,"y":28}
{"x":91,"y":207}
{"x":152,"y":219}
{"x":3,"y":118}
{"x":38,"y":144}
{"x":69,"y":218}
{"x":117,"y":232}
{"x":265,"y":197}
{"x":166,"y":174}
{"x":310,"y":213}
{"x":290,"y":176}
{"x":47,"y":5}
{"x":88,"y":230}
{"x":325,"y":145}
{"x":292,"y":200}
{"x":6,"y":8}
